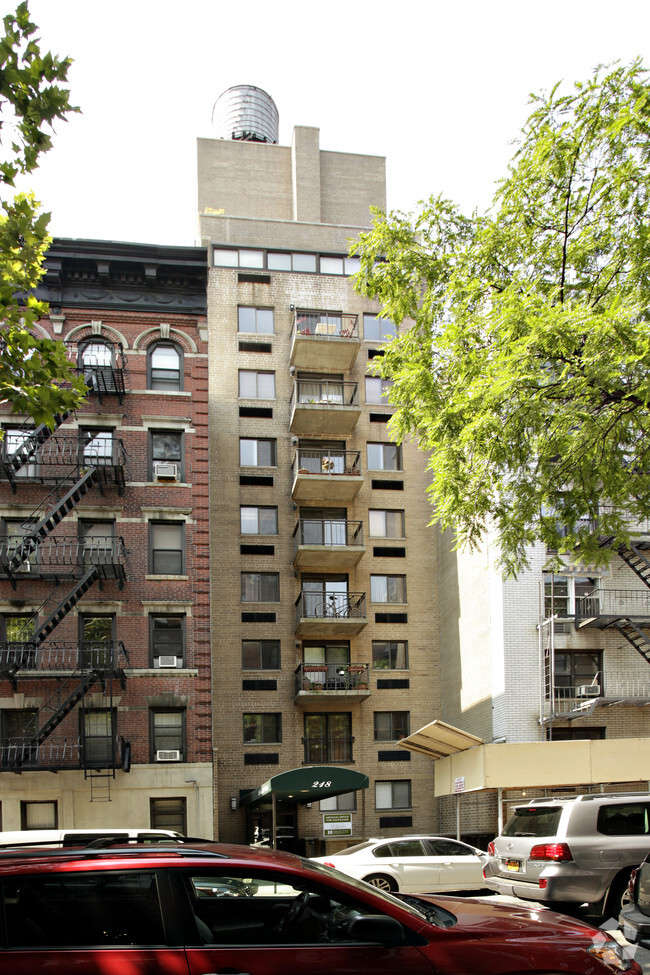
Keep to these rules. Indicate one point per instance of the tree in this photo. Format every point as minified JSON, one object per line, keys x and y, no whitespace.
{"x":36,"y":376}
{"x":524,"y":364}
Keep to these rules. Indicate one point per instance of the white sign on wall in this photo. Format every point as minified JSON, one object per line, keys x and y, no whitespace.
{"x":459,"y":784}
{"x":337,"y":824}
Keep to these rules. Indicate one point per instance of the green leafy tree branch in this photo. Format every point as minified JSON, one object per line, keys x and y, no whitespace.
{"x":36,"y":376}
{"x":523,"y":366}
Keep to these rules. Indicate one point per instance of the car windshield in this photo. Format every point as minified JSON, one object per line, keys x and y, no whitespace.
{"x":410,"y":906}
{"x":533,"y":821}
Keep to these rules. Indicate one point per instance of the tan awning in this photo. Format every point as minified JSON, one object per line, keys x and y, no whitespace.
{"x":439,"y":739}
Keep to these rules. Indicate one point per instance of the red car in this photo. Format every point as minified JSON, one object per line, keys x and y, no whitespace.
{"x":210,"y":908}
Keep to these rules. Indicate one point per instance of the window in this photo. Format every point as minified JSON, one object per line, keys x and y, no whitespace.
{"x":166,"y":448}
{"x":562,"y":593}
{"x":393,"y":795}
{"x":16,"y":632}
{"x":169,"y":814}
{"x":328,"y":738}
{"x":165,"y":367}
{"x":18,"y":728}
{"x":167,"y":733}
{"x":98,"y":736}
{"x":390,"y":654}
{"x":227,"y":257}
{"x":331,"y":265}
{"x":262,"y":729}
{"x":13,"y":533}
{"x":577,"y":670}
{"x":388,"y":589}
{"x":378,"y":329}
{"x":96,"y":639}
{"x":97,"y":360}
{"x":14,"y":437}
{"x":624,"y":819}
{"x":346,"y":802}
{"x":257,"y":453}
{"x":256,"y":385}
{"x":256,"y":520}
{"x":386,"y":523}
{"x":39,"y":815}
{"x":260,"y":654}
{"x":291,"y":262}
{"x":377,"y":390}
{"x":325,"y":596}
{"x":384,"y":457}
{"x":258,"y":320}
{"x":97,"y":446}
{"x":167,"y":639}
{"x":391,"y":725}
{"x":328,"y":655}
{"x":167,"y":548}
{"x":325,"y":526}
{"x":97,"y":542}
{"x":260,"y":587}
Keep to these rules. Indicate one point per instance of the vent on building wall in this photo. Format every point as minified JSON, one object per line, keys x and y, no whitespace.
{"x":168,"y":755}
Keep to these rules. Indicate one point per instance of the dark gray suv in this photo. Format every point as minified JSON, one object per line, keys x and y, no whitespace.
{"x":572,"y":851}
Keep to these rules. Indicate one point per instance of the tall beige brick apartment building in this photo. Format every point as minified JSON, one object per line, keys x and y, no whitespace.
{"x":324,"y":608}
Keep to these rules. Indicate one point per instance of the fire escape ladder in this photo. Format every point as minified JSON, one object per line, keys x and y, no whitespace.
{"x":68,"y":602}
{"x":637,"y":561}
{"x":33,"y":440}
{"x":49,"y":521}
{"x":86,"y":682}
{"x":634,"y":635}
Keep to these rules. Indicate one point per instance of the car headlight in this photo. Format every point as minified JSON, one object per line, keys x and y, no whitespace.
{"x":611,"y":954}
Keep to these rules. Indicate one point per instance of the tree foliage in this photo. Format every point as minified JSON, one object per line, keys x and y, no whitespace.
{"x":525,"y":366}
{"x":35,"y":375}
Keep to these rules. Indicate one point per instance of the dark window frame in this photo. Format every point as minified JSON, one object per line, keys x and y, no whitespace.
{"x":273,"y":649}
{"x":155,"y":652}
{"x":182,"y":548}
{"x":152,"y":459}
{"x":159,"y":738}
{"x":269,"y":727}
{"x":174,"y":381}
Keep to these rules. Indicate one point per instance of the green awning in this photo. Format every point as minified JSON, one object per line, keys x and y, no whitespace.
{"x":308,"y":784}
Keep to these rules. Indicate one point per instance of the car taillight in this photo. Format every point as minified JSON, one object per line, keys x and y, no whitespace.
{"x":490,"y":848}
{"x":551,"y":851}
{"x":327,"y":863}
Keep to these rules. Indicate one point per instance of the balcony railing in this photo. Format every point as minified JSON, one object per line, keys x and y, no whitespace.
{"x":321,"y":750}
{"x":25,"y":753}
{"x":328,"y":533}
{"x":325,"y":392}
{"x":330,"y":463}
{"x":332,"y":677}
{"x":335,"y":606}
{"x":51,"y":554}
{"x":326,"y":324}
{"x":64,"y":656}
{"x":613,"y":604}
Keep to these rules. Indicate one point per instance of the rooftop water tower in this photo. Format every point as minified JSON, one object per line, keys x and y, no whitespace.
{"x":247,"y":114}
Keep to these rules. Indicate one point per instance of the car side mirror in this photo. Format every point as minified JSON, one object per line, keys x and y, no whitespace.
{"x":377,"y":928}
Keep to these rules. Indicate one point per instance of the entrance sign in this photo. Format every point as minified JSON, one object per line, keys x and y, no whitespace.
{"x":337,"y":824}
{"x":459,"y":784}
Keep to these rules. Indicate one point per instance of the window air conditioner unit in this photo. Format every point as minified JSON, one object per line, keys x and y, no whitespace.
{"x":168,"y":755}
{"x":168,"y":661}
{"x":589,"y":690}
{"x":165,"y":471}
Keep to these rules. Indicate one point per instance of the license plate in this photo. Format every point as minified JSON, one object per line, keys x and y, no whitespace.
{"x":514,"y":865}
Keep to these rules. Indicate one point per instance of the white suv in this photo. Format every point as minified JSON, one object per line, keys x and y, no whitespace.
{"x":572,"y":851}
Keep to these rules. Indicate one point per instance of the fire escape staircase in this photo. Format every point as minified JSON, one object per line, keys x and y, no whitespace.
{"x":33,"y":439}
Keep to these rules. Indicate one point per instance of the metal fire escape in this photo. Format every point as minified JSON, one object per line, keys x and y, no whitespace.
{"x":73,"y":465}
{"x":625,"y":610}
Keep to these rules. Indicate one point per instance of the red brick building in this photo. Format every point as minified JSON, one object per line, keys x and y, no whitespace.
{"x":104,"y":555}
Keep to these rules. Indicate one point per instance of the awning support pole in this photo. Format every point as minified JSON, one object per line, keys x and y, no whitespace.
{"x":274,"y":820}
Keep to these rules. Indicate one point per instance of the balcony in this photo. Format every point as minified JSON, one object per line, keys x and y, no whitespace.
{"x":333,"y":615}
{"x":324,"y":406}
{"x":331,"y":681}
{"x":605,"y":607}
{"x":54,"y":459}
{"x":102,"y":364}
{"x":603,"y":691}
{"x":324,"y":340}
{"x":327,"y":544}
{"x":320,"y":474}
{"x":59,"y":556}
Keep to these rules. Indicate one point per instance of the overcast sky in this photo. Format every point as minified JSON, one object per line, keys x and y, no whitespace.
{"x":439,"y":88}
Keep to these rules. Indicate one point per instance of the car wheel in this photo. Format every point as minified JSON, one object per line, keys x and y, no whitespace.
{"x":618,"y":897}
{"x":383,"y":882}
